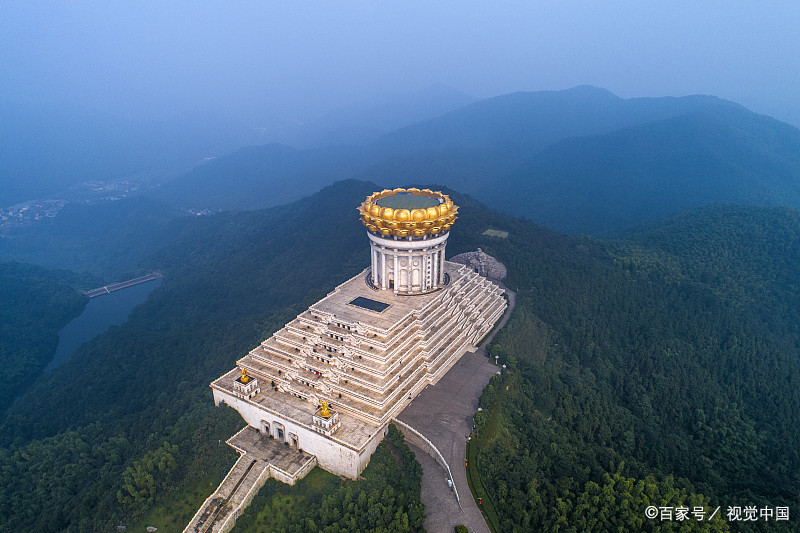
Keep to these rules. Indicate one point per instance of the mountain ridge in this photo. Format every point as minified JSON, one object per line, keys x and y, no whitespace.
{"x":610,"y":182}
{"x":546,"y":155}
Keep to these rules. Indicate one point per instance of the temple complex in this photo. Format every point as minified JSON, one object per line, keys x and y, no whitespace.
{"x":332,"y":379}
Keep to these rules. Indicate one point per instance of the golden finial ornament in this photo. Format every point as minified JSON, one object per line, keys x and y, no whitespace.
{"x":245,"y":378}
{"x":324,"y":412}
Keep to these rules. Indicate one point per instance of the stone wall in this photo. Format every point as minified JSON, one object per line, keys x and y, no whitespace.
{"x":332,"y":456}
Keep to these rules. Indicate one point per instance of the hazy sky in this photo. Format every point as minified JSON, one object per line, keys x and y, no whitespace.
{"x":296,"y":59}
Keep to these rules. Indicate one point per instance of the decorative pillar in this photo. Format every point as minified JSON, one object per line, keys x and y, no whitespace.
{"x":426,"y":263}
{"x":410,"y":273}
{"x":374,"y":265}
{"x":383,"y":266}
{"x":435,"y":272}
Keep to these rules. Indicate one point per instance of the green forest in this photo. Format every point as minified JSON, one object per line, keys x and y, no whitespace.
{"x":110,"y":240}
{"x":36,"y":304}
{"x":660,"y":368}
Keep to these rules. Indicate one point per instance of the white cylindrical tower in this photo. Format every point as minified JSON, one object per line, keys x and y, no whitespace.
{"x":408,"y":230}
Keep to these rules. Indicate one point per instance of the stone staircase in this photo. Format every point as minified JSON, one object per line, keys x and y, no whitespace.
{"x":261,"y":459}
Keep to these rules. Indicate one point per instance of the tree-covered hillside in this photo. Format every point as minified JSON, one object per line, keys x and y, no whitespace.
{"x":662,"y":369}
{"x":128,"y":423}
{"x":605,"y":183}
{"x":34,"y":305}
{"x":527,"y":122}
{"x":580,"y":160}
{"x":259,"y":176}
{"x":109,"y":239}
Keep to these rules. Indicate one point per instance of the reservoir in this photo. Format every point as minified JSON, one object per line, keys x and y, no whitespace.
{"x":100,"y":314}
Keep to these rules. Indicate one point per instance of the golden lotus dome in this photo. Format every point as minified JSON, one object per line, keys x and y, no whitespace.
{"x":408,"y":212}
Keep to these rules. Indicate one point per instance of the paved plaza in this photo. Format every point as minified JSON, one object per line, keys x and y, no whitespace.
{"x":443,"y":413}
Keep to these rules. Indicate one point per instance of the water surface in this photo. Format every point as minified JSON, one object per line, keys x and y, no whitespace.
{"x":100,"y":314}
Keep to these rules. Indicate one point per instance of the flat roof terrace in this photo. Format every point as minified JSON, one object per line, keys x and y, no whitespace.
{"x":400,"y":306}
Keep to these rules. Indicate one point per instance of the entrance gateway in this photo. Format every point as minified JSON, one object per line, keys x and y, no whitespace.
{"x":333,"y":377}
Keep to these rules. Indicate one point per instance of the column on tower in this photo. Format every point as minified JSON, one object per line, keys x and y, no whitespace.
{"x":383,"y":270}
{"x":440,"y":272}
{"x":373,"y":263}
{"x":435,"y":273}
{"x":414,"y":265}
{"x":426,"y":277}
{"x":410,"y":272}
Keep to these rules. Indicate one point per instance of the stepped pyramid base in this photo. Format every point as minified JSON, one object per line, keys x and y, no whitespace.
{"x":367,"y":363}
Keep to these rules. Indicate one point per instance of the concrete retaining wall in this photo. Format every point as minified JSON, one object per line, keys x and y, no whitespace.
{"x":420,"y":441}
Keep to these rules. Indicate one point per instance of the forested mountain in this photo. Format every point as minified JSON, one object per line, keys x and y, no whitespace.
{"x":662,"y":368}
{"x":258,"y":176}
{"x":34,"y":305}
{"x":108,"y":239}
{"x":659,"y":368}
{"x":581,"y":160}
{"x":524,"y":123}
{"x":605,"y":183}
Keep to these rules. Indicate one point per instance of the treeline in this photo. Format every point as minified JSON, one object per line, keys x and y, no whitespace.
{"x":657,"y":370}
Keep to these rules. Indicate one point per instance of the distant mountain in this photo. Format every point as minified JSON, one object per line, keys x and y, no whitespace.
{"x":47,"y":149}
{"x":108,"y":239}
{"x":584,"y":160}
{"x":498,"y":136}
{"x":579,"y":160}
{"x":526,"y":122}
{"x":364,"y":123}
{"x":257,"y":176}
{"x":608,"y":182}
